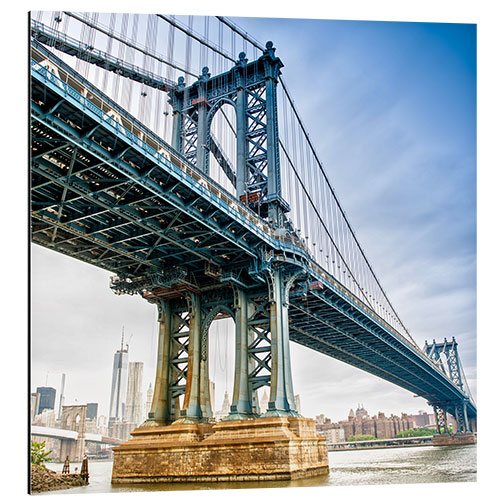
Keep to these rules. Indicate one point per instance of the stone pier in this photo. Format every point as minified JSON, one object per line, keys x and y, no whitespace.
{"x":270,"y":448}
{"x":454,"y":439}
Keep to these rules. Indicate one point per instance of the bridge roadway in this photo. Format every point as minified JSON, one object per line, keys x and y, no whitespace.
{"x":382,"y":443}
{"x":109,"y":192}
{"x":51,"y":432}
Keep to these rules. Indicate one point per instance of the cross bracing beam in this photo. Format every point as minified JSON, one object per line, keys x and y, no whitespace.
{"x":125,"y":212}
{"x":187,"y":206}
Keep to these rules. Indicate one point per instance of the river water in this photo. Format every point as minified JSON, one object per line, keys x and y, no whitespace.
{"x":424,"y":464}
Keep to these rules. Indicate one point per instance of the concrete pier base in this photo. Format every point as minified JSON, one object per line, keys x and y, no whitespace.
{"x":454,"y":439}
{"x":235,"y":450}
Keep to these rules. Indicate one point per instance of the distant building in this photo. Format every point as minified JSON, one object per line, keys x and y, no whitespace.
{"x":297,"y":404}
{"x":424,"y":419}
{"x":61,"y":396}
{"x":224,"y":411}
{"x":133,"y":405}
{"x":47,"y":418}
{"x":322,"y":420}
{"x":149,"y":400}
{"x":120,"y":429}
{"x":264,"y":401}
{"x":379,"y":426}
{"x":47,"y":398}
{"x":102,"y":425}
{"x":118,"y":384}
{"x":361,"y":412}
{"x":91,"y":411}
{"x":34,"y":404}
{"x":333,"y":435}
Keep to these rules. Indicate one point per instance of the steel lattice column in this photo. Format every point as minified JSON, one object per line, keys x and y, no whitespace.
{"x":171,"y":369}
{"x":281,"y":398}
{"x":191,"y":408}
{"x":461,"y":418}
{"x":241,"y":406}
{"x":441,"y":420}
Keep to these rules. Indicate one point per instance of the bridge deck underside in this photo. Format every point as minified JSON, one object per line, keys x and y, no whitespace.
{"x":98,"y":199}
{"x":328,"y":325}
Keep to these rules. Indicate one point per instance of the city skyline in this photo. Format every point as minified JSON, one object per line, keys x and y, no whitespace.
{"x":399,"y":147}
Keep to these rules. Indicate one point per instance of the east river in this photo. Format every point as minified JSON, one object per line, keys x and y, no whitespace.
{"x":425,"y":464}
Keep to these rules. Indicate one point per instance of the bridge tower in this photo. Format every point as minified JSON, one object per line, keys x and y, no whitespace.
{"x":279,"y":443}
{"x":251,"y":89}
{"x":73,"y":419}
{"x":445,"y":355}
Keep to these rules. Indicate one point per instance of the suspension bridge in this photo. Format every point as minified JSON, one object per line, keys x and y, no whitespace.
{"x":233,"y":217}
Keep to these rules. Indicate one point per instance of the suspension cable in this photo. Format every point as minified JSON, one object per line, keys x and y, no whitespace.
{"x":129,"y":43}
{"x":256,"y":44}
{"x":191,"y":33}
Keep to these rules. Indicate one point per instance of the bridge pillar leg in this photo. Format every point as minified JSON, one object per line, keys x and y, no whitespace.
{"x":241,"y":407}
{"x":160,"y":406}
{"x":241,"y":143}
{"x":461,"y":418}
{"x":205,"y":405}
{"x":202,"y":156}
{"x":441,"y":419}
{"x":281,"y":398}
{"x":191,"y":409}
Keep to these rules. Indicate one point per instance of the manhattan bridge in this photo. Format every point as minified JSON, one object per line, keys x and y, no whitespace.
{"x":165,"y":154}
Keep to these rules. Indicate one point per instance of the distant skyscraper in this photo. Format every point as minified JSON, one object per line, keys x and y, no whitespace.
{"x":149,"y":399}
{"x":297,"y":403}
{"x":91,"y":411}
{"x":133,"y":406}
{"x":224,"y":411}
{"x":61,"y":395}
{"x":118,"y":384}
{"x":47,"y":398}
{"x":35,"y":401}
{"x":264,"y":401}
{"x":212,"y":394}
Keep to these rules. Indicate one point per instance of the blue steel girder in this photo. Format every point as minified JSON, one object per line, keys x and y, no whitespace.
{"x":64,"y":43}
{"x":124,"y":212}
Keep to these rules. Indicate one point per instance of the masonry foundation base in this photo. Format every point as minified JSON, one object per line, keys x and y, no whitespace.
{"x":454,"y":439}
{"x":236,"y":450}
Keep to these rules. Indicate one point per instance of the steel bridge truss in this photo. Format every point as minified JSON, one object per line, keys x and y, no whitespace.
{"x":251,"y":89}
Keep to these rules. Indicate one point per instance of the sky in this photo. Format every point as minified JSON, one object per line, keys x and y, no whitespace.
{"x":391,"y":110}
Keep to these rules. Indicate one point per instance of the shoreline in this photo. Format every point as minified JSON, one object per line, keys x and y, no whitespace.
{"x":43,"y":479}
